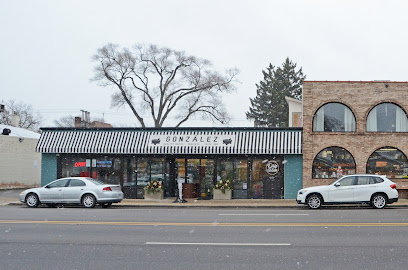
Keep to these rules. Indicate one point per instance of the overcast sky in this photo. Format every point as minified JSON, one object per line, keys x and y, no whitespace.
{"x":46,"y":46}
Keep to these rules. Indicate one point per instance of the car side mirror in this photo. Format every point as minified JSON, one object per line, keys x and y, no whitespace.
{"x":337,"y":184}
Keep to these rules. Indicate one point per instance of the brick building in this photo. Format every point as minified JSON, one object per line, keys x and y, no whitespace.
{"x":355,"y":127}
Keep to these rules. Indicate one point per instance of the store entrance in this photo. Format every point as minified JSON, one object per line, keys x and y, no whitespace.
{"x":273,"y":179}
{"x":197,"y":175}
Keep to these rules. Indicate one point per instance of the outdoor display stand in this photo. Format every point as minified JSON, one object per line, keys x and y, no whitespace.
{"x":180,"y":191}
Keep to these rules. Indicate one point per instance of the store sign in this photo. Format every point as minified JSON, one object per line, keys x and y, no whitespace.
{"x":192,"y":140}
{"x":104,"y":163}
{"x":272,"y":168}
{"x":80,"y":164}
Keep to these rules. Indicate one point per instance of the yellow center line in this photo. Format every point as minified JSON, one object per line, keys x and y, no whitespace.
{"x":194,"y":224}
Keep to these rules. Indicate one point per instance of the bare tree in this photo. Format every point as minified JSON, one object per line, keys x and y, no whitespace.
{"x":28,"y":118}
{"x":164,"y":82}
{"x":65,"y":121}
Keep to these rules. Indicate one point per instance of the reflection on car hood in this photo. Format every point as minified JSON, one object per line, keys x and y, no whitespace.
{"x":317,"y":188}
{"x":32,"y":189}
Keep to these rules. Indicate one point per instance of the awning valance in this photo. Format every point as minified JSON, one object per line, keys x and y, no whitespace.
{"x":141,"y":141}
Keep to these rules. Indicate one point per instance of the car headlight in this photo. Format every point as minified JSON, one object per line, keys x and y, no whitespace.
{"x":302,"y":192}
{"x":22,"y":193}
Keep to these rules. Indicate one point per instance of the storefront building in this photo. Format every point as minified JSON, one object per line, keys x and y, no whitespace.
{"x":355,"y":127}
{"x":261,"y":163}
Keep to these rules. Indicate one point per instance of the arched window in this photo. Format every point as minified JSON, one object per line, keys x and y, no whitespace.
{"x":333,"y":162}
{"x":388,"y":161}
{"x":387,"y":117}
{"x":334,"y":117}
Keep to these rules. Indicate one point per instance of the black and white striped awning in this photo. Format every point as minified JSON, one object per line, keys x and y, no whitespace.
{"x":171,"y":141}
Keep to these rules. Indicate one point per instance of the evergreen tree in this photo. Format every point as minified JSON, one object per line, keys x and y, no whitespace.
{"x":269,"y":107}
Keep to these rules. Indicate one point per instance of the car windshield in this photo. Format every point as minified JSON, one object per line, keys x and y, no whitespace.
{"x":334,"y":181}
{"x":95,"y":181}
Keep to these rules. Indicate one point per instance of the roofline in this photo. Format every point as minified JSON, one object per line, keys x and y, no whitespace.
{"x":293,"y":100}
{"x":380,"y":81}
{"x":172,"y":129}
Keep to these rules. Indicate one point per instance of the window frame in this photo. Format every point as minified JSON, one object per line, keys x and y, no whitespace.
{"x":329,"y":176}
{"x":385,"y":173}
{"x":367,"y":121}
{"x":334,"y":102}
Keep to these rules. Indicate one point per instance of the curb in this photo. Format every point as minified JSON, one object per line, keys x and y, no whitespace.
{"x":184,"y":206}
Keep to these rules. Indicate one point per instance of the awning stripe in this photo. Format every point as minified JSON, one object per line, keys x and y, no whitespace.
{"x":141,"y":142}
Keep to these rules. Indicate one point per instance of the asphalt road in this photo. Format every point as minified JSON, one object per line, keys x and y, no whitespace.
{"x":123,"y":238}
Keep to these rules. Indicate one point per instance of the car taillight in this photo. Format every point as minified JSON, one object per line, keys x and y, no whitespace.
{"x":393,"y":186}
{"x":107,"y":189}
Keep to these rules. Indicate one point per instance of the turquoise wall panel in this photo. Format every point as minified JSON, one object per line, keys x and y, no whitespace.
{"x":48,"y":168}
{"x":293,"y":175}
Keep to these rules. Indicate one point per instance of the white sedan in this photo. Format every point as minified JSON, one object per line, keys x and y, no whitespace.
{"x":73,"y":190}
{"x":376,"y":190}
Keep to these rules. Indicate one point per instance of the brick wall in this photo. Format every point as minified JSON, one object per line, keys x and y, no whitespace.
{"x":360,"y":97}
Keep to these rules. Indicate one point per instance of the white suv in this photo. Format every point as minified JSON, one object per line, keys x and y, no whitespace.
{"x":377,"y":190}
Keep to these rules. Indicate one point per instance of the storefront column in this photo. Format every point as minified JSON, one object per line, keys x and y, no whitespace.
{"x":293,"y":175}
{"x":49,"y":164}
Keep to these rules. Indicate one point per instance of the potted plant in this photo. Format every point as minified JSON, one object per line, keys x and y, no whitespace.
{"x":154,"y":190}
{"x":223,"y":190}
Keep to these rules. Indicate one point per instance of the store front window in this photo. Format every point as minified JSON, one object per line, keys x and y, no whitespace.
{"x":334,"y":117}
{"x":387,"y":117}
{"x":333,"y":162}
{"x":388,"y":161}
{"x":257,"y":179}
{"x":240,"y":180}
{"x":207,"y":177}
{"x":75,"y":166}
{"x":225,"y":170}
{"x":138,"y":172}
{"x":235,"y":170}
{"x":108,"y":170}
{"x":130,"y":176}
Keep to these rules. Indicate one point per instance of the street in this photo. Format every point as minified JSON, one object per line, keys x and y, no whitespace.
{"x":128,"y":238}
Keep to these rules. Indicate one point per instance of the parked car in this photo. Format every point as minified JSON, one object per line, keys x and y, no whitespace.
{"x":73,"y":190}
{"x":376,"y":190}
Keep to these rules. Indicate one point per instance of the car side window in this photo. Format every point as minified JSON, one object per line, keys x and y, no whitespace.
{"x":347,"y":181}
{"x":59,"y":183}
{"x":76,"y":183}
{"x":364,"y":180}
{"x":376,"y":180}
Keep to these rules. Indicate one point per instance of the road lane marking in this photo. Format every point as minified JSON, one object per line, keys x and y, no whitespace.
{"x":204,"y":224}
{"x":218,"y":244}
{"x":263,"y":214}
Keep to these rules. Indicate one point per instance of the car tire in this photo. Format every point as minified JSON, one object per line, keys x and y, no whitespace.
{"x":106,"y":205}
{"x":314,"y":201}
{"x":378,"y":201}
{"x":32,"y":200}
{"x":88,"y":201}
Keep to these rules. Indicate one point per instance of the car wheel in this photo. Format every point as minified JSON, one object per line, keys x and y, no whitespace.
{"x":32,"y":200}
{"x":378,"y":201}
{"x":106,"y":205}
{"x":88,"y":201}
{"x":314,"y":201}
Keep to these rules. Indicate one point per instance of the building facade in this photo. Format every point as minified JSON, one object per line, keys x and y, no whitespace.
{"x":20,"y":164}
{"x":355,"y":127}
{"x":261,"y":163}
